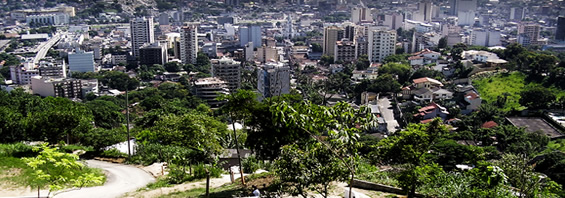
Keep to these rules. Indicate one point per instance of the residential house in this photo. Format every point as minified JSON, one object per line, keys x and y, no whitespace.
{"x":424,"y":57}
{"x":370,"y":73}
{"x":431,"y":111}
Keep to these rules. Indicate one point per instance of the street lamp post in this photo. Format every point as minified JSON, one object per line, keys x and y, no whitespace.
{"x":127,"y":117}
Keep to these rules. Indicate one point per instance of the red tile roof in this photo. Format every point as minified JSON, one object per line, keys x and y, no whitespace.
{"x":489,"y":124}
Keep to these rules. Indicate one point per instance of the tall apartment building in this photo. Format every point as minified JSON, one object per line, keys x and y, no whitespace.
{"x":228,"y":70}
{"x":208,"y":89}
{"x":153,"y":53}
{"x":189,"y":44}
{"x":331,"y":35}
{"x":22,"y":74}
{"x":250,"y":33}
{"x":528,"y":34}
{"x":381,"y":44}
{"x":141,"y":32}
{"x":81,"y":61}
{"x":517,"y":13}
{"x":425,"y":11}
{"x":560,"y":31}
{"x":55,"y":69}
{"x":345,"y":51}
{"x":361,"y":15}
{"x":457,"y":6}
{"x":56,"y":87}
{"x":487,"y":38}
{"x":393,"y":21}
{"x":265,"y":54}
{"x":273,"y":79}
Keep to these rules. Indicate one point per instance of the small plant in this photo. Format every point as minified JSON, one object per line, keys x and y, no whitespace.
{"x":113,"y":153}
{"x":250,"y":164}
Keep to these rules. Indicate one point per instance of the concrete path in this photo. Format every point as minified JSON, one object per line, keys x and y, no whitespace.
{"x":120,"y":180}
{"x":388,"y":114}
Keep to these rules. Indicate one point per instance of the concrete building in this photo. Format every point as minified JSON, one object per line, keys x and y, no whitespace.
{"x":466,"y":17}
{"x":425,"y":10}
{"x":249,"y":53}
{"x":81,"y":61}
{"x":47,"y":19}
{"x":560,"y":31}
{"x":208,"y":89}
{"x":119,"y":58}
{"x":22,"y":74}
{"x":487,"y":38}
{"x":332,"y":34}
{"x":361,"y":45}
{"x":164,"y":19}
{"x":227,"y":70}
{"x":266,"y":54}
{"x":457,"y":6}
{"x":54,"y":69}
{"x":56,"y":87}
{"x":359,"y":15}
{"x":393,"y":21}
{"x":528,"y":33}
{"x":153,"y":53}
{"x":141,"y":32}
{"x":381,"y":44}
{"x":273,"y":79}
{"x":345,"y":51}
{"x":250,"y":33}
{"x":517,"y":13}
{"x":189,"y":44}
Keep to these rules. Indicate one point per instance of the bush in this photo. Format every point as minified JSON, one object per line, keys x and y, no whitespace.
{"x":178,"y":174}
{"x":113,"y":153}
{"x":250,"y":164}
{"x":199,"y":171}
{"x":70,"y":148}
{"x":17,"y":150}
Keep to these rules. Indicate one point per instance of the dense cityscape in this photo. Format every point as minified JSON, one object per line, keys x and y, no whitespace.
{"x":282,"y":98}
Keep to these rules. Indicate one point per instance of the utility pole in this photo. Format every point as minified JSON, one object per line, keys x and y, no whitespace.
{"x":127,"y":117}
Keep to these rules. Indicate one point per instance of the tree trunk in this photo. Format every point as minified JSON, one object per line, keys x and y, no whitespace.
{"x":237,"y":150}
{"x":351,"y":185}
{"x":412,"y":192}
{"x":38,"y":188}
{"x":207,"y":183}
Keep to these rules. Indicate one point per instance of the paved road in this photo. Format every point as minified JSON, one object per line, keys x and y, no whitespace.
{"x":44,"y":47}
{"x":120,"y":180}
{"x":388,"y":114}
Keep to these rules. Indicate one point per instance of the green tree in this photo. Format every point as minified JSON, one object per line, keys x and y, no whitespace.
{"x":537,"y":98}
{"x":362,"y":62}
{"x":172,"y":66}
{"x":313,"y":167}
{"x":442,"y":44}
{"x":410,"y":147}
{"x":316,"y":47}
{"x":106,"y":114}
{"x":400,"y":71}
{"x":326,"y":60}
{"x":119,"y":80}
{"x":56,"y":170}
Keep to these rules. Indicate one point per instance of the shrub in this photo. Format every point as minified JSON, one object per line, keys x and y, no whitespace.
{"x":113,"y":153}
{"x":17,"y":150}
{"x":178,"y":174}
{"x":250,"y":164}
{"x":199,"y":171}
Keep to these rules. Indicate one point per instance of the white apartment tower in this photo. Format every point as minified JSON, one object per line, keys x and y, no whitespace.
{"x":228,"y":70}
{"x":141,"y":33}
{"x":189,"y":44}
{"x":381,"y":44}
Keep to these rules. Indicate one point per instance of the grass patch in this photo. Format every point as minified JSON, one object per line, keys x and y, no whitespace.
{"x":14,"y":171}
{"x":511,"y":83}
{"x":221,"y":192}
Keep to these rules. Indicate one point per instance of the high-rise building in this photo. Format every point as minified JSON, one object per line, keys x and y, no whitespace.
{"x":487,"y":38}
{"x":457,"y":6}
{"x":153,"y":53}
{"x":250,"y":34}
{"x":164,"y":19}
{"x":81,"y":61}
{"x":381,"y":44}
{"x":528,"y":33}
{"x":359,"y":15}
{"x":345,"y":51}
{"x":265,"y":54}
{"x":188,"y":44}
{"x":425,"y":9}
{"x":273,"y":79}
{"x":228,"y":70}
{"x":331,"y":35}
{"x":141,"y":32}
{"x":560,"y":31}
{"x":517,"y":13}
{"x":208,"y":89}
{"x":393,"y":21}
